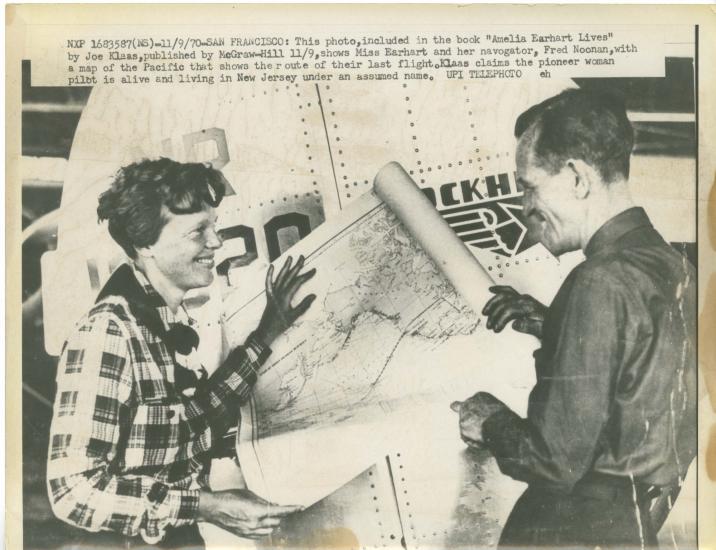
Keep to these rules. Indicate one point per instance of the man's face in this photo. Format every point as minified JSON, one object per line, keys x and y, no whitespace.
{"x":549,"y":202}
{"x":184,"y":252}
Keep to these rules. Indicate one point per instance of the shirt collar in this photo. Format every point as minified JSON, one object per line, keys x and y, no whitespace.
{"x":168,"y":317}
{"x":616,"y":228}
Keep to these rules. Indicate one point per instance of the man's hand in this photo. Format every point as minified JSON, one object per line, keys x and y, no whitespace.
{"x":279,"y":314}
{"x":473,"y":413}
{"x":508,"y":305}
{"x":242,"y":512}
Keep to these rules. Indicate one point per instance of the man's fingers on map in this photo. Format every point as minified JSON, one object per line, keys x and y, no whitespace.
{"x":498,"y":298}
{"x":490,"y":309}
{"x":502,"y":288}
{"x":504,"y":314}
{"x":528,"y":326}
{"x":499,"y":313}
{"x":527,"y":313}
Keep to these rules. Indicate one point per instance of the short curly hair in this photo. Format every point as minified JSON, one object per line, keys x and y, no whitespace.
{"x":134,"y":206}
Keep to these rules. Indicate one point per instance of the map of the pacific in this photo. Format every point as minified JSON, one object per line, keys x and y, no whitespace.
{"x":379,"y":333}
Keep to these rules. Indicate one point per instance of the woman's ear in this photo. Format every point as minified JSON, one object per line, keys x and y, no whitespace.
{"x":145,"y":252}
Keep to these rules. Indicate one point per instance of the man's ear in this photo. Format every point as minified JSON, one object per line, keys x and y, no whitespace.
{"x":584,"y":177}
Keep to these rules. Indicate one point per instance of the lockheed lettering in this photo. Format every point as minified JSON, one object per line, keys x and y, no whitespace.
{"x":490,"y":222}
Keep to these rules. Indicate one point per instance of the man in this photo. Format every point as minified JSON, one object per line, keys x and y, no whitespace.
{"x":135,"y":415}
{"x":611,"y":420}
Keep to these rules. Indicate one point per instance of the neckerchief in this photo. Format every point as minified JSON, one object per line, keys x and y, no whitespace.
{"x":179,"y":338}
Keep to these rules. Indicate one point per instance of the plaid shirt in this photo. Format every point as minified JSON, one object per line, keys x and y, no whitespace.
{"x":129,"y":452}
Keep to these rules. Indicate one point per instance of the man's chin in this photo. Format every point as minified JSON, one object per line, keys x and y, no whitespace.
{"x":553,"y":248}
{"x":558,"y":250}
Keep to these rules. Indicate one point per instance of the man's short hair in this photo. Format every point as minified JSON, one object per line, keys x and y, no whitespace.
{"x":581,"y":124}
{"x":134,"y":206}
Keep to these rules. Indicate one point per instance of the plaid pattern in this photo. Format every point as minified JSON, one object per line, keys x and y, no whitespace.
{"x":128,"y":452}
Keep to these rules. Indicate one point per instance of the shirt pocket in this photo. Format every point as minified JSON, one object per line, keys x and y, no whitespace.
{"x":156,"y":434}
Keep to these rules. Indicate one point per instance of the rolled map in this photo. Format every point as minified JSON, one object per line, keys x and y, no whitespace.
{"x":398,"y":190}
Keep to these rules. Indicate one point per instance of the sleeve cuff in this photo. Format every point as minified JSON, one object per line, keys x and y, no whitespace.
{"x":188,"y":506}
{"x":246,"y":360}
{"x":256,"y":350}
{"x":501,"y":428}
{"x":169,"y":507}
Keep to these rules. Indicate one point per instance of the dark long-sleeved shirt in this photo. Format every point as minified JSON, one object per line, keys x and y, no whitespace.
{"x":616,"y":373}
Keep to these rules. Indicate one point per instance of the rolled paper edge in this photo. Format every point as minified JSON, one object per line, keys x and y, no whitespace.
{"x":397,"y":189}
